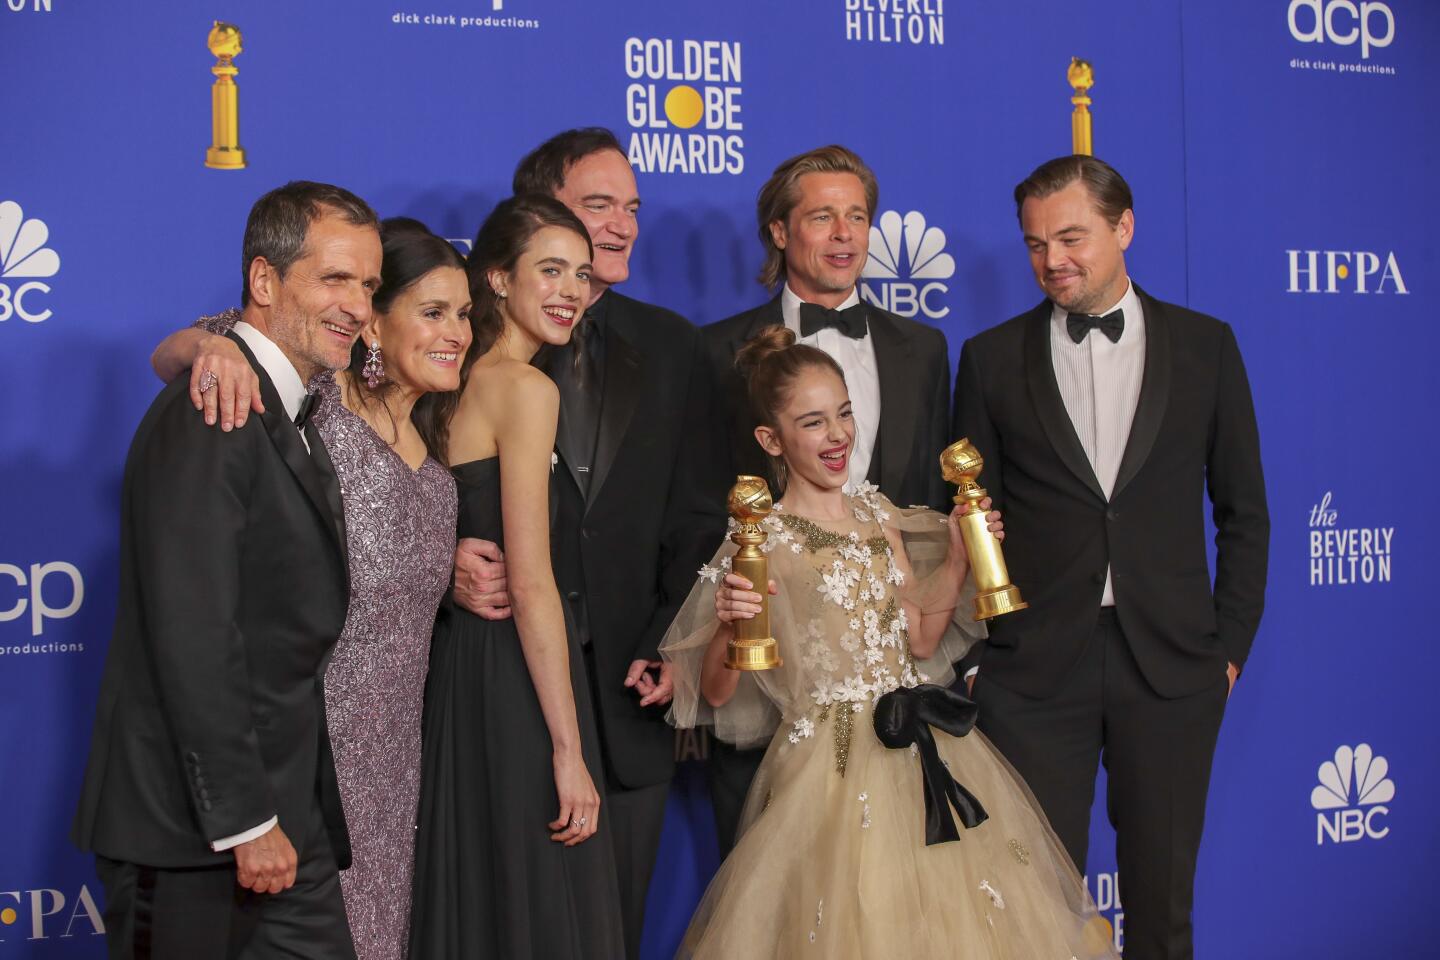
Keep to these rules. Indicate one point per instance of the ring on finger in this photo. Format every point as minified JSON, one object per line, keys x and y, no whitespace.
{"x":208,"y":380}
{"x":581,"y":822}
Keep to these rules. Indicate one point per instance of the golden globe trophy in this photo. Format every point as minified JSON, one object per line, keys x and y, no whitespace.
{"x":225,"y":152}
{"x":994,"y":593}
{"x":752,"y":647}
{"x":1082,"y":77}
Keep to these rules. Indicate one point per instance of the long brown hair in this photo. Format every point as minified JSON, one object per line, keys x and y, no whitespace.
{"x":770,"y":362}
{"x":502,"y":238}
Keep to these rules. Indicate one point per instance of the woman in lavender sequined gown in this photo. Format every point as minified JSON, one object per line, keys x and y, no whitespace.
{"x":507,"y":862}
{"x":400,"y":509}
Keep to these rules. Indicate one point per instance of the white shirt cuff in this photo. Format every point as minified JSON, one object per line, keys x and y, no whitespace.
{"x":971,"y":672}
{"x":252,"y":834}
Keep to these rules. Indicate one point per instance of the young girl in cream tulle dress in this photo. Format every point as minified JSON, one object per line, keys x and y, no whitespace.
{"x":929,"y":847}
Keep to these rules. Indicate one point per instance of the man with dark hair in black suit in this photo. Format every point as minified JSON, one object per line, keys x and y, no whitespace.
{"x":210,"y":798}
{"x":632,"y":522}
{"x":1102,"y":413}
{"x":814,"y":218}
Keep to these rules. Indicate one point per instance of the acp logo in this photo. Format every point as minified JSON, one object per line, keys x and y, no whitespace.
{"x":1344,"y":271}
{"x":23,"y":255}
{"x":33,"y":593}
{"x":1342,"y":22}
{"x":906,"y":266}
{"x":1351,"y":797}
{"x":43,"y":915}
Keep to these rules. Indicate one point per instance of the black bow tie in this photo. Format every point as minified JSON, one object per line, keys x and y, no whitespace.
{"x":307,"y":408}
{"x":850,"y":321}
{"x":1112,"y":325}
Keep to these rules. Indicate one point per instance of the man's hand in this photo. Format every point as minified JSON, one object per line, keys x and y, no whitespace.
{"x":651,"y":691}
{"x":267,"y":863}
{"x":480,"y":584}
{"x":1232,"y":673}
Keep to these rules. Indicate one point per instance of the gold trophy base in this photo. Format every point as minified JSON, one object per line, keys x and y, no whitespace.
{"x":225,"y":158}
{"x":993,"y":603}
{"x":752,"y":654}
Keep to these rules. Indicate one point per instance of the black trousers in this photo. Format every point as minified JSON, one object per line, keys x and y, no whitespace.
{"x":731,"y":771}
{"x":155,"y":913}
{"x":635,"y":818}
{"x":1157,"y":754}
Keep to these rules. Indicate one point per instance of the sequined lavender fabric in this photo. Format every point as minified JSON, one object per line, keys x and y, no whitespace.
{"x":400,"y":533}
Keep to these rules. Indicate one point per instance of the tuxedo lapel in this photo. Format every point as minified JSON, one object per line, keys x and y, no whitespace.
{"x":547,"y":361}
{"x":330,"y":480}
{"x":623,"y":364}
{"x":899,"y":404}
{"x":1154,"y":392}
{"x":1049,"y":405}
{"x":308,"y":472}
{"x":767,"y":315}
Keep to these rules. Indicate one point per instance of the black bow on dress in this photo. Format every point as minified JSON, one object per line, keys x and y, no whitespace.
{"x":905,"y":716}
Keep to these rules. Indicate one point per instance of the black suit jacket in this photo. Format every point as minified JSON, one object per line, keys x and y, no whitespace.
{"x":626,"y":557}
{"x":233,"y":590}
{"x":1194,"y":429}
{"x":913,"y":363}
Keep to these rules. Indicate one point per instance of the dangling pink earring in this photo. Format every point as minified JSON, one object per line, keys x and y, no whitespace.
{"x":374,"y":369}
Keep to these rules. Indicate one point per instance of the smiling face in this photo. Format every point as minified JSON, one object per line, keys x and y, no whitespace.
{"x":1078,"y":256}
{"x":601,"y":190}
{"x":315,"y":312}
{"x":548,"y":290}
{"x":814,"y":431}
{"x":825,"y":238}
{"x":425,"y":332}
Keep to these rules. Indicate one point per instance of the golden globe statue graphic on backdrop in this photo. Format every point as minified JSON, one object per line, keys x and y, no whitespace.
{"x":1082,"y":77}
{"x":225,"y":152}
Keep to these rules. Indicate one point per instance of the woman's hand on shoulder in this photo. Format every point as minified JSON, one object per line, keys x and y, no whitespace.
{"x":223,"y":385}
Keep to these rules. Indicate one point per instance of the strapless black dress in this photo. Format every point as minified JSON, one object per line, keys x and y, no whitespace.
{"x":489,"y":881}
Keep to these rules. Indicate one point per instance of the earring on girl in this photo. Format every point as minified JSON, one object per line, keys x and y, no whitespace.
{"x":374,"y":369}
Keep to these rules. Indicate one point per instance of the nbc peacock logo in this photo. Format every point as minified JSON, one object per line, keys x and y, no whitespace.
{"x":24,"y":259}
{"x":1354,"y":788}
{"x":907,"y":266}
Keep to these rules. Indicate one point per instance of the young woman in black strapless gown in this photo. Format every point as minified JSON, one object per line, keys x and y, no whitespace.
{"x":507,"y":859}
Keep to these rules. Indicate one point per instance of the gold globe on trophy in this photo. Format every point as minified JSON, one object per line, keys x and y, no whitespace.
{"x":752,"y":647}
{"x":1082,"y":77}
{"x":995,"y":594}
{"x":225,"y":152}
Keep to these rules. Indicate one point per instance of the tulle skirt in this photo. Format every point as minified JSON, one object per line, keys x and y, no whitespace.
{"x":836,"y":866}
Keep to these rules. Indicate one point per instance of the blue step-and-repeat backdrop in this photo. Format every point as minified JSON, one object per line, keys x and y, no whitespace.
{"x":1283,"y":155}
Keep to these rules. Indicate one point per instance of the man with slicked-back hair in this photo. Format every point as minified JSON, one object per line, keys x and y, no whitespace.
{"x":1102,"y":414}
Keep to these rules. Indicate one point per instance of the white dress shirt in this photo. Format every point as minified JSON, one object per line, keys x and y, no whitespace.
{"x":292,"y":392}
{"x":862,"y":377}
{"x":1100,"y":384}
{"x":278,"y":367}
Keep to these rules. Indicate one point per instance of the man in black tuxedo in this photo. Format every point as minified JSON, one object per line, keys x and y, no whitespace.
{"x":210,"y":798}
{"x":814,"y":218}
{"x":632,"y":522}
{"x":1102,"y":413}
